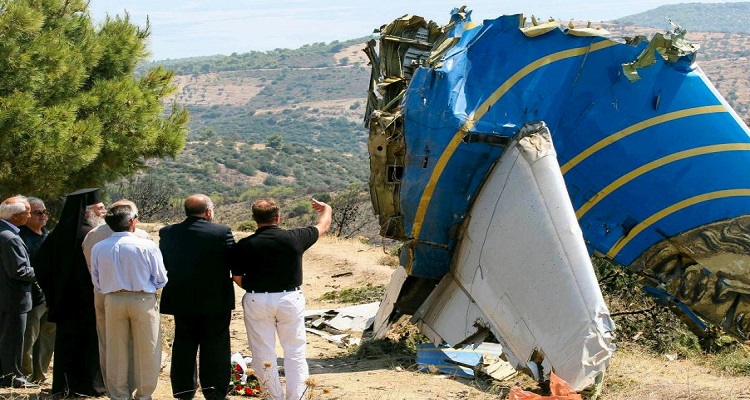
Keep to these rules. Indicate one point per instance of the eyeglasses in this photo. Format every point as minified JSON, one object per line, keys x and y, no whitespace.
{"x":39,"y":213}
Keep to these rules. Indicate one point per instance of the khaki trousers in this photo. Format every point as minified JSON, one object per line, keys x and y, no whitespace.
{"x":132,"y":316}
{"x":38,"y":344}
{"x":101,"y":332}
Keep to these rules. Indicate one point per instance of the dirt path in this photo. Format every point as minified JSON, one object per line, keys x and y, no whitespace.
{"x":340,"y":374}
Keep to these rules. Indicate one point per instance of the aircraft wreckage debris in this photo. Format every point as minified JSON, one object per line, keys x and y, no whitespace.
{"x":504,"y":154}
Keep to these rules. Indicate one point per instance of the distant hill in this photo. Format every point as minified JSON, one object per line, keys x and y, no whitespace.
{"x":723,"y":54}
{"x":696,"y":17}
{"x":314,"y":55}
{"x":289,"y":121}
{"x":262,"y":121}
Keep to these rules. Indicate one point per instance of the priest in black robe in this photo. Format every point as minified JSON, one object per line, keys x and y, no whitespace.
{"x":66,"y":282}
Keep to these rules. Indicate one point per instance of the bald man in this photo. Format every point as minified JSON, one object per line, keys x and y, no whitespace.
{"x":95,"y":236}
{"x":200,"y":296}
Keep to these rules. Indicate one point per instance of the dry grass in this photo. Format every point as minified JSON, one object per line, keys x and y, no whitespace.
{"x":389,"y":260}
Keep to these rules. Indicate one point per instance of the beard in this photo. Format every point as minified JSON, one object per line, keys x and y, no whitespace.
{"x":93,"y":220}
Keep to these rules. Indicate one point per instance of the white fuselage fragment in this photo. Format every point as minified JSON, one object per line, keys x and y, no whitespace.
{"x":522,"y":270}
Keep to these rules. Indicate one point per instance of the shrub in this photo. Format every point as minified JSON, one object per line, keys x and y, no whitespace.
{"x":734,"y":360}
{"x":358,"y":295}
{"x":638,"y":317}
{"x":247,"y":225}
{"x":389,"y":260}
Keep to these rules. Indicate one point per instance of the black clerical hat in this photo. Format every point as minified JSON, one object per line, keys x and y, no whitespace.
{"x":90,"y":196}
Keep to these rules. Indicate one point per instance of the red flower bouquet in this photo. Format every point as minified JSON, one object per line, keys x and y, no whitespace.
{"x":243,"y":384}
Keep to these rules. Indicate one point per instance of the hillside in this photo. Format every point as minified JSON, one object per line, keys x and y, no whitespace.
{"x":273,"y":123}
{"x":720,"y":29}
{"x":289,"y":122}
{"x":697,"y":17}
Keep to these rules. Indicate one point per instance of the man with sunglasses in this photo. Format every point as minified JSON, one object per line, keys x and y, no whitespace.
{"x":39,"y":339}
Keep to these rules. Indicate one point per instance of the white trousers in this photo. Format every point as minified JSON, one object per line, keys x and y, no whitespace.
{"x":269,"y":314}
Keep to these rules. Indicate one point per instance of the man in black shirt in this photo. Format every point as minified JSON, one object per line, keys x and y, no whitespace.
{"x":268,"y":265}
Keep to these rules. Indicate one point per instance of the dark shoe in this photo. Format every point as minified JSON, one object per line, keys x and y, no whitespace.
{"x":213,"y":394}
{"x":22,"y":383}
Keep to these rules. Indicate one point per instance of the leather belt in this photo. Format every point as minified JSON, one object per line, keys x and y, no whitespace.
{"x":294,"y":289}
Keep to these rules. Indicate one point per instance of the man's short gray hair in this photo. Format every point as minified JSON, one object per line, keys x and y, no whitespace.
{"x":9,"y":209}
{"x":35,"y":200}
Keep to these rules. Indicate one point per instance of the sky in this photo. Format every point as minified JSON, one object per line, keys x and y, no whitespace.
{"x":189,"y":28}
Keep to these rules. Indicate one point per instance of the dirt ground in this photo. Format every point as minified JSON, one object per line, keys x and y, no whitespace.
{"x":339,"y":374}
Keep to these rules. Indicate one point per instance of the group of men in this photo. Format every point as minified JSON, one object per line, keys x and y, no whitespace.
{"x":99,"y":275}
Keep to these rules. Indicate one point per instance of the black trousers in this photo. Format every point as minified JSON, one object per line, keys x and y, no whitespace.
{"x":76,"y":369}
{"x":210,"y":334}
{"x":12,"y":327}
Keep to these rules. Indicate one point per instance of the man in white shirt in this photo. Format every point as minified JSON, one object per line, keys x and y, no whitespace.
{"x":129,"y":270}
{"x":95,"y":236}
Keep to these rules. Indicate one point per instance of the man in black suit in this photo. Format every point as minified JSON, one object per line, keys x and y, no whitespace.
{"x":16,"y":277}
{"x":200,"y":295}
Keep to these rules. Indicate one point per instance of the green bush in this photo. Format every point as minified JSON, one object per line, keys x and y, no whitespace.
{"x":734,"y":360}
{"x":358,"y":295}
{"x":247,"y":225}
{"x":639,"y":319}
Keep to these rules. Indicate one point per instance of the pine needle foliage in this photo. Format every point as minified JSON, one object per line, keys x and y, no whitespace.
{"x":73,"y":113}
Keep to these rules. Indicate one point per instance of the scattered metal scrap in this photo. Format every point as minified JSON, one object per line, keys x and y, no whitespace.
{"x":336,"y":325}
{"x":466,"y":362}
